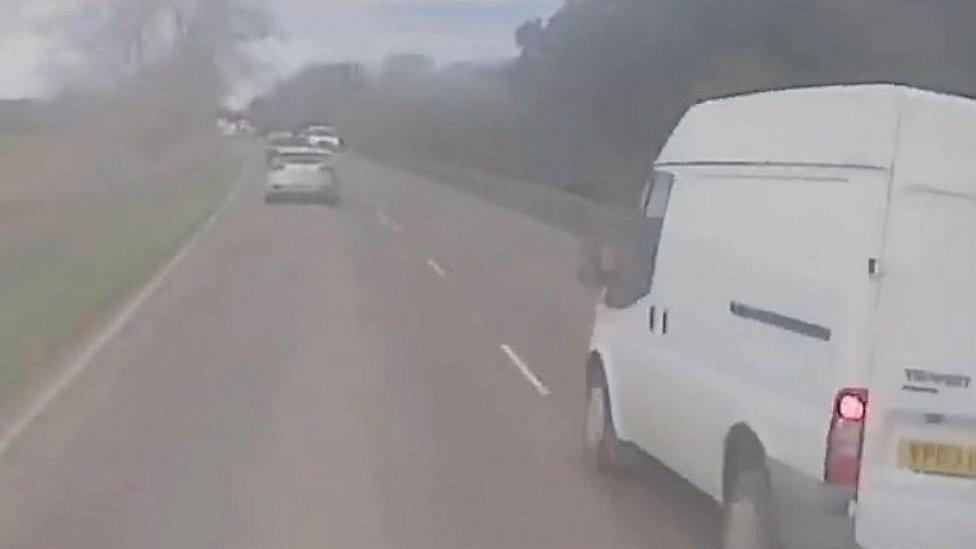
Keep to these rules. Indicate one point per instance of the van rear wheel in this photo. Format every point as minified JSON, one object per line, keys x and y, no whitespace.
{"x":600,"y":441}
{"x":747,"y":515}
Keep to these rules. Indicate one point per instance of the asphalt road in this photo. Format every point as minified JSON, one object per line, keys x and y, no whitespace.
{"x":338,"y":377}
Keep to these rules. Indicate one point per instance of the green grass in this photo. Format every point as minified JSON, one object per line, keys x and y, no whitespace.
{"x":58,"y":284}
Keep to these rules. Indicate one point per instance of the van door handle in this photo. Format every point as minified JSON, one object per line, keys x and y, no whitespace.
{"x":651,"y":314}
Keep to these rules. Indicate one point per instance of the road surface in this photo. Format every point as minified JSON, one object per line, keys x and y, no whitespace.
{"x":403,"y":371}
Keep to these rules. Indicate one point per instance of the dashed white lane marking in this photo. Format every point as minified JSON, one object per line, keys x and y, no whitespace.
{"x":526,"y":371}
{"x":434,"y":266}
{"x":389,"y":222}
{"x":93,"y":348}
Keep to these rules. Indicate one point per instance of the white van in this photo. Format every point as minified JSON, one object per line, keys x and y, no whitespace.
{"x":795,"y":331}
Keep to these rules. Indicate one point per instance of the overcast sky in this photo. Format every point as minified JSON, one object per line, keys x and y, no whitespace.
{"x":309,"y":31}
{"x":447,"y":29}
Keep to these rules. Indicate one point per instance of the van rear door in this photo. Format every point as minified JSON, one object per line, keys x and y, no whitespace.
{"x":918,"y":470}
{"x":918,"y":478}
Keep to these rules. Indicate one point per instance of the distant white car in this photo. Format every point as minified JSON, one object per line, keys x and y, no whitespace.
{"x":301,"y":174}
{"x":231,"y":127}
{"x":279,"y":136}
{"x":323,"y":136}
{"x":299,"y":147}
{"x":793,"y":331}
{"x":285,"y":142}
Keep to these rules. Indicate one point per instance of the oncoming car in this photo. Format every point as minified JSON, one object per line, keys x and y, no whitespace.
{"x":301,"y":174}
{"x":792,"y":328}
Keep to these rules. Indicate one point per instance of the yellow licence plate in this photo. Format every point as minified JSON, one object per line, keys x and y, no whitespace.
{"x":939,"y":459}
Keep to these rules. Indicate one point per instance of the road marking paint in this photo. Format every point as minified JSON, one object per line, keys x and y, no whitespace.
{"x":436,"y":268}
{"x":526,"y":371}
{"x":389,"y":222}
{"x":91,"y":350}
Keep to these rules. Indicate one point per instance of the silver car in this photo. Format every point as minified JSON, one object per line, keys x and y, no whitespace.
{"x":323,"y":136}
{"x":301,"y":175}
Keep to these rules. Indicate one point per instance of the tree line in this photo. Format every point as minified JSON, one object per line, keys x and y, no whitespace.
{"x":597,"y":87}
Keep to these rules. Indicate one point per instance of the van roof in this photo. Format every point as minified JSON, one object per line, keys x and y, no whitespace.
{"x":850,"y":125}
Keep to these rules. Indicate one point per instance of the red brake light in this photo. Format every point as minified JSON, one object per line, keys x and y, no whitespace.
{"x":851,"y":407}
{"x":846,"y":437}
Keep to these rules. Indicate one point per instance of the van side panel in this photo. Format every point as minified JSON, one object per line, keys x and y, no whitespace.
{"x":763,"y":271}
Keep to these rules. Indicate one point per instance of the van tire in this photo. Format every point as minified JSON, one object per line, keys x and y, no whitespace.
{"x":747,"y":514}
{"x":600,"y":443}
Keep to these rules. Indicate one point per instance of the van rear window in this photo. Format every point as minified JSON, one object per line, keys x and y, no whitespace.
{"x":637,"y":255}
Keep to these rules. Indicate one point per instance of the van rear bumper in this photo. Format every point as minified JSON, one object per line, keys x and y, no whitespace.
{"x":895,"y":520}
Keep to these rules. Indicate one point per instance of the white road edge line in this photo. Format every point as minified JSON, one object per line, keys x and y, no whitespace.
{"x":388,"y":221}
{"x":526,"y":371}
{"x":79,"y":363}
{"x":434,"y":266}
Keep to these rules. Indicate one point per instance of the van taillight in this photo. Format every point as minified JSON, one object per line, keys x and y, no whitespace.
{"x":845,"y":439}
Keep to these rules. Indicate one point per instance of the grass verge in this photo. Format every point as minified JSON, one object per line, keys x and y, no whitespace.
{"x":58,"y":283}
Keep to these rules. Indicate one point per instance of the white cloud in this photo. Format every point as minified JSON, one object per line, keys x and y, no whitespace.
{"x":20,"y":53}
{"x":25,"y":47}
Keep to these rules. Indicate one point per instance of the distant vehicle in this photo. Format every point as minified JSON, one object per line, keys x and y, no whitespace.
{"x":794,"y":331}
{"x":323,"y":136}
{"x":301,"y":174}
{"x":231,"y":127}
{"x":282,"y":142}
{"x":277,"y":136}
{"x":297,"y":145}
